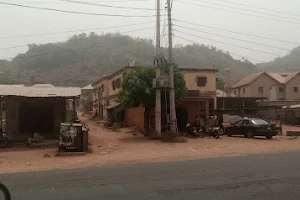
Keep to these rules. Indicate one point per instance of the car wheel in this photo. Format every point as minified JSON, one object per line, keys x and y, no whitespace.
{"x":227,"y":132}
{"x":269,"y":137}
{"x":249,"y":134}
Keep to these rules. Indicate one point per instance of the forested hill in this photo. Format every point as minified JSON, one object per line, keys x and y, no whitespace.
{"x":83,"y":59}
{"x":289,"y":63}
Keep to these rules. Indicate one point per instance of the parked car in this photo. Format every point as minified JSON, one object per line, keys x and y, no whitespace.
{"x":250,"y":127}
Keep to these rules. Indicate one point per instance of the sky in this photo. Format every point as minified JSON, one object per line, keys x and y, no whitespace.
{"x":276,"y":19}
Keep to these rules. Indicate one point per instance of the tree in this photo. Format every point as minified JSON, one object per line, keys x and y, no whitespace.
{"x":137,"y":90}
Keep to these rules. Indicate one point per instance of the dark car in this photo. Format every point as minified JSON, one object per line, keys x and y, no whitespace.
{"x":250,"y":127}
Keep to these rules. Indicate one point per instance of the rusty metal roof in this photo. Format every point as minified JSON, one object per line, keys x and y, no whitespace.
{"x":39,"y":91}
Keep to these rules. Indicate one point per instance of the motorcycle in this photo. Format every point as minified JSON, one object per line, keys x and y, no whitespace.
{"x":211,"y":131}
{"x":5,"y":191}
{"x":193,"y":130}
{"x":204,"y":131}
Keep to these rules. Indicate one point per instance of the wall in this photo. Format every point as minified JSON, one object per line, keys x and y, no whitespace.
{"x":59,"y":114}
{"x":12,"y":117}
{"x":190,"y":78}
{"x":289,"y":89}
{"x":135,"y":116}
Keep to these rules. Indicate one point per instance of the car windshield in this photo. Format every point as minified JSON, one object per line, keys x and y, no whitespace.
{"x":259,"y":122}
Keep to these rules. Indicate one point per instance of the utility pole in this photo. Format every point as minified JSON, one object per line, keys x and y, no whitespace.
{"x":158,"y":91}
{"x":173,"y":119}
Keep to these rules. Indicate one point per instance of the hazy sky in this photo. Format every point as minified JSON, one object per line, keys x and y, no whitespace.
{"x":17,"y":21}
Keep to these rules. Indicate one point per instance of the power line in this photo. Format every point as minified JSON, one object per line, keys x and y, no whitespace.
{"x":241,"y":13}
{"x":14,"y":47}
{"x":251,"y":42}
{"x":242,"y":47}
{"x":276,"y":11}
{"x":108,"y":6}
{"x":73,"y":12}
{"x":240,"y":33}
{"x":111,"y":1}
{"x":244,"y":9}
{"x":70,"y":31}
{"x":220,"y":50}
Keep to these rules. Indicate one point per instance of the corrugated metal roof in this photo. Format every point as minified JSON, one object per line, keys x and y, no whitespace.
{"x":39,"y":91}
{"x":88,"y":87}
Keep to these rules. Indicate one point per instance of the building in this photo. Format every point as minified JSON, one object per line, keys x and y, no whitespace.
{"x":272,"y":86}
{"x":200,"y":98}
{"x":40,"y":108}
{"x":86,"y":98}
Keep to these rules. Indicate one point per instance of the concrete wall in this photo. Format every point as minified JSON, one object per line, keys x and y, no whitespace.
{"x":289,"y":89}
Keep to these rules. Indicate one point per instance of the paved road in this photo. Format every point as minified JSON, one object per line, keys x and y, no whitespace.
{"x":272,"y":176}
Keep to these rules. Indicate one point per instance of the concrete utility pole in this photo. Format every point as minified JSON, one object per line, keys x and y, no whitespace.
{"x":158,"y":91}
{"x":173,"y":119}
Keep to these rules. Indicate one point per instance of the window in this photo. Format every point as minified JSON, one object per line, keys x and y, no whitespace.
{"x":295,"y":89}
{"x":116,"y":84}
{"x":234,"y":92}
{"x":280,"y":89}
{"x":244,"y":90}
{"x":260,"y":89}
{"x":201,"y":81}
{"x":259,"y":122}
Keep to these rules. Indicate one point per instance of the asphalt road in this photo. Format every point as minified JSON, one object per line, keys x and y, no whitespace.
{"x":272,"y":176}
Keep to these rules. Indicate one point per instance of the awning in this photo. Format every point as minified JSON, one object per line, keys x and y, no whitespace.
{"x":113,"y":106}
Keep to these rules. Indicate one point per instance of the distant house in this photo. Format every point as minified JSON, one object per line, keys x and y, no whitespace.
{"x":86,"y":98}
{"x":272,"y":86}
{"x":200,"y":98}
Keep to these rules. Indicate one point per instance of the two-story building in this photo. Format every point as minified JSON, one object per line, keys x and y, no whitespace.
{"x":200,"y":98}
{"x":272,"y":86}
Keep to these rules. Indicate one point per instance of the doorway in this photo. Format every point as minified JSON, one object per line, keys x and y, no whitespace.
{"x":36,"y":118}
{"x":182,"y":119}
{"x":273,"y":93}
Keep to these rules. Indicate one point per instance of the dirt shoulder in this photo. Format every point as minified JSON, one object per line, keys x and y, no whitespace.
{"x":123,"y":147}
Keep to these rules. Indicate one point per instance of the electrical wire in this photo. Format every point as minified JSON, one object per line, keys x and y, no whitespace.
{"x":220,"y":50}
{"x":242,"y":47}
{"x":108,"y":6}
{"x":232,"y":38}
{"x":255,"y":7}
{"x":73,"y":12}
{"x":240,"y":33}
{"x":14,"y":47}
{"x":241,"y":13}
{"x":244,"y":9}
{"x":51,"y":2}
{"x":71,"y":31}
